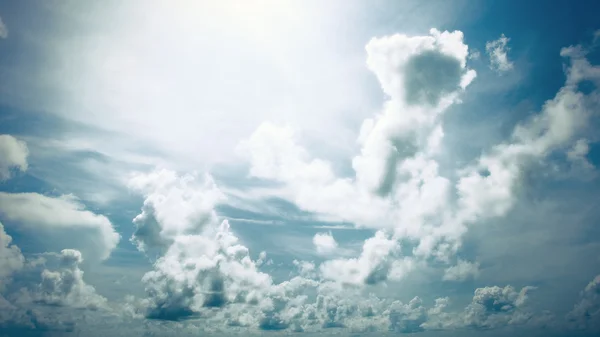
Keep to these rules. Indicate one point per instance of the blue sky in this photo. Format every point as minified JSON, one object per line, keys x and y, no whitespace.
{"x":311,"y":168}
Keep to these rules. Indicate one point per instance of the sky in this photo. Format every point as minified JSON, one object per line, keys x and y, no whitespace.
{"x":306,"y":168}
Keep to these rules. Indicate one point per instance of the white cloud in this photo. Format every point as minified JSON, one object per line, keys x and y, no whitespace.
{"x":3,"y":30}
{"x":586,"y":312}
{"x":578,"y":154}
{"x":34,"y":305}
{"x":489,"y":188}
{"x":461,"y":271}
{"x":13,"y":153}
{"x":371,"y":267}
{"x":63,"y":220}
{"x":66,"y":287}
{"x":493,"y":307}
{"x":141,"y":86}
{"x":201,"y":264}
{"x":173,"y":206}
{"x":11,"y":259}
{"x":579,"y":151}
{"x":475,"y":55}
{"x":498,"y":52}
{"x":325,"y":243}
{"x":407,"y":318}
{"x":397,"y":185}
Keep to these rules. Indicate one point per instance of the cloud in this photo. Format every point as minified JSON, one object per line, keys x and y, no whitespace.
{"x":3,"y":30}
{"x":173,"y":206}
{"x":29,"y":306}
{"x":371,"y":267}
{"x":397,"y":186}
{"x":461,"y":271}
{"x":586,"y":313}
{"x":201,"y":263}
{"x":13,"y":153}
{"x":325,"y":243}
{"x":63,"y":219}
{"x":579,"y":151}
{"x":488,"y":189}
{"x":11,"y":259}
{"x":407,"y":318}
{"x":498,"y":52}
{"x":66,"y":287}
{"x":493,"y":307}
{"x":474,"y":55}
{"x":429,"y":76}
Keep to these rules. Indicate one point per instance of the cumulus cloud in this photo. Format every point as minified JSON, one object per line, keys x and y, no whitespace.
{"x":202,"y":264}
{"x":35,"y":306}
{"x":204,"y":271}
{"x":461,"y":271}
{"x":397,"y":186}
{"x":173,"y":206}
{"x":325,"y":243}
{"x":489,"y":187}
{"x":11,"y":259}
{"x":66,"y":287}
{"x":13,"y":152}
{"x":407,"y":318}
{"x":64,"y":219}
{"x":371,"y":267}
{"x":586,"y":313}
{"x":498,"y":52}
{"x":495,"y":306}
{"x":490,"y":307}
{"x":579,"y":151}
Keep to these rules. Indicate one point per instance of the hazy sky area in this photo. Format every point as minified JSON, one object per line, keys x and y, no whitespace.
{"x":306,"y":168}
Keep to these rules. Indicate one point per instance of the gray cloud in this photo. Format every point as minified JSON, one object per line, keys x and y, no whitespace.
{"x":430,"y":75}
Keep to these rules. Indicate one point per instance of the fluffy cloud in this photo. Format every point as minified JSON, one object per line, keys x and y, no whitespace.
{"x":203,"y":271}
{"x":63,"y":219}
{"x":173,"y":206}
{"x":498,"y":52}
{"x":407,"y":318}
{"x":202,"y":265}
{"x":11,"y":259}
{"x":66,"y":287}
{"x":13,"y":152}
{"x":397,"y":186}
{"x":586,"y":313}
{"x":495,"y":306}
{"x":371,"y":267}
{"x":579,"y":151}
{"x":489,"y":188}
{"x":461,"y":271}
{"x":490,"y":307}
{"x":325,"y":243}
{"x":39,"y":306}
